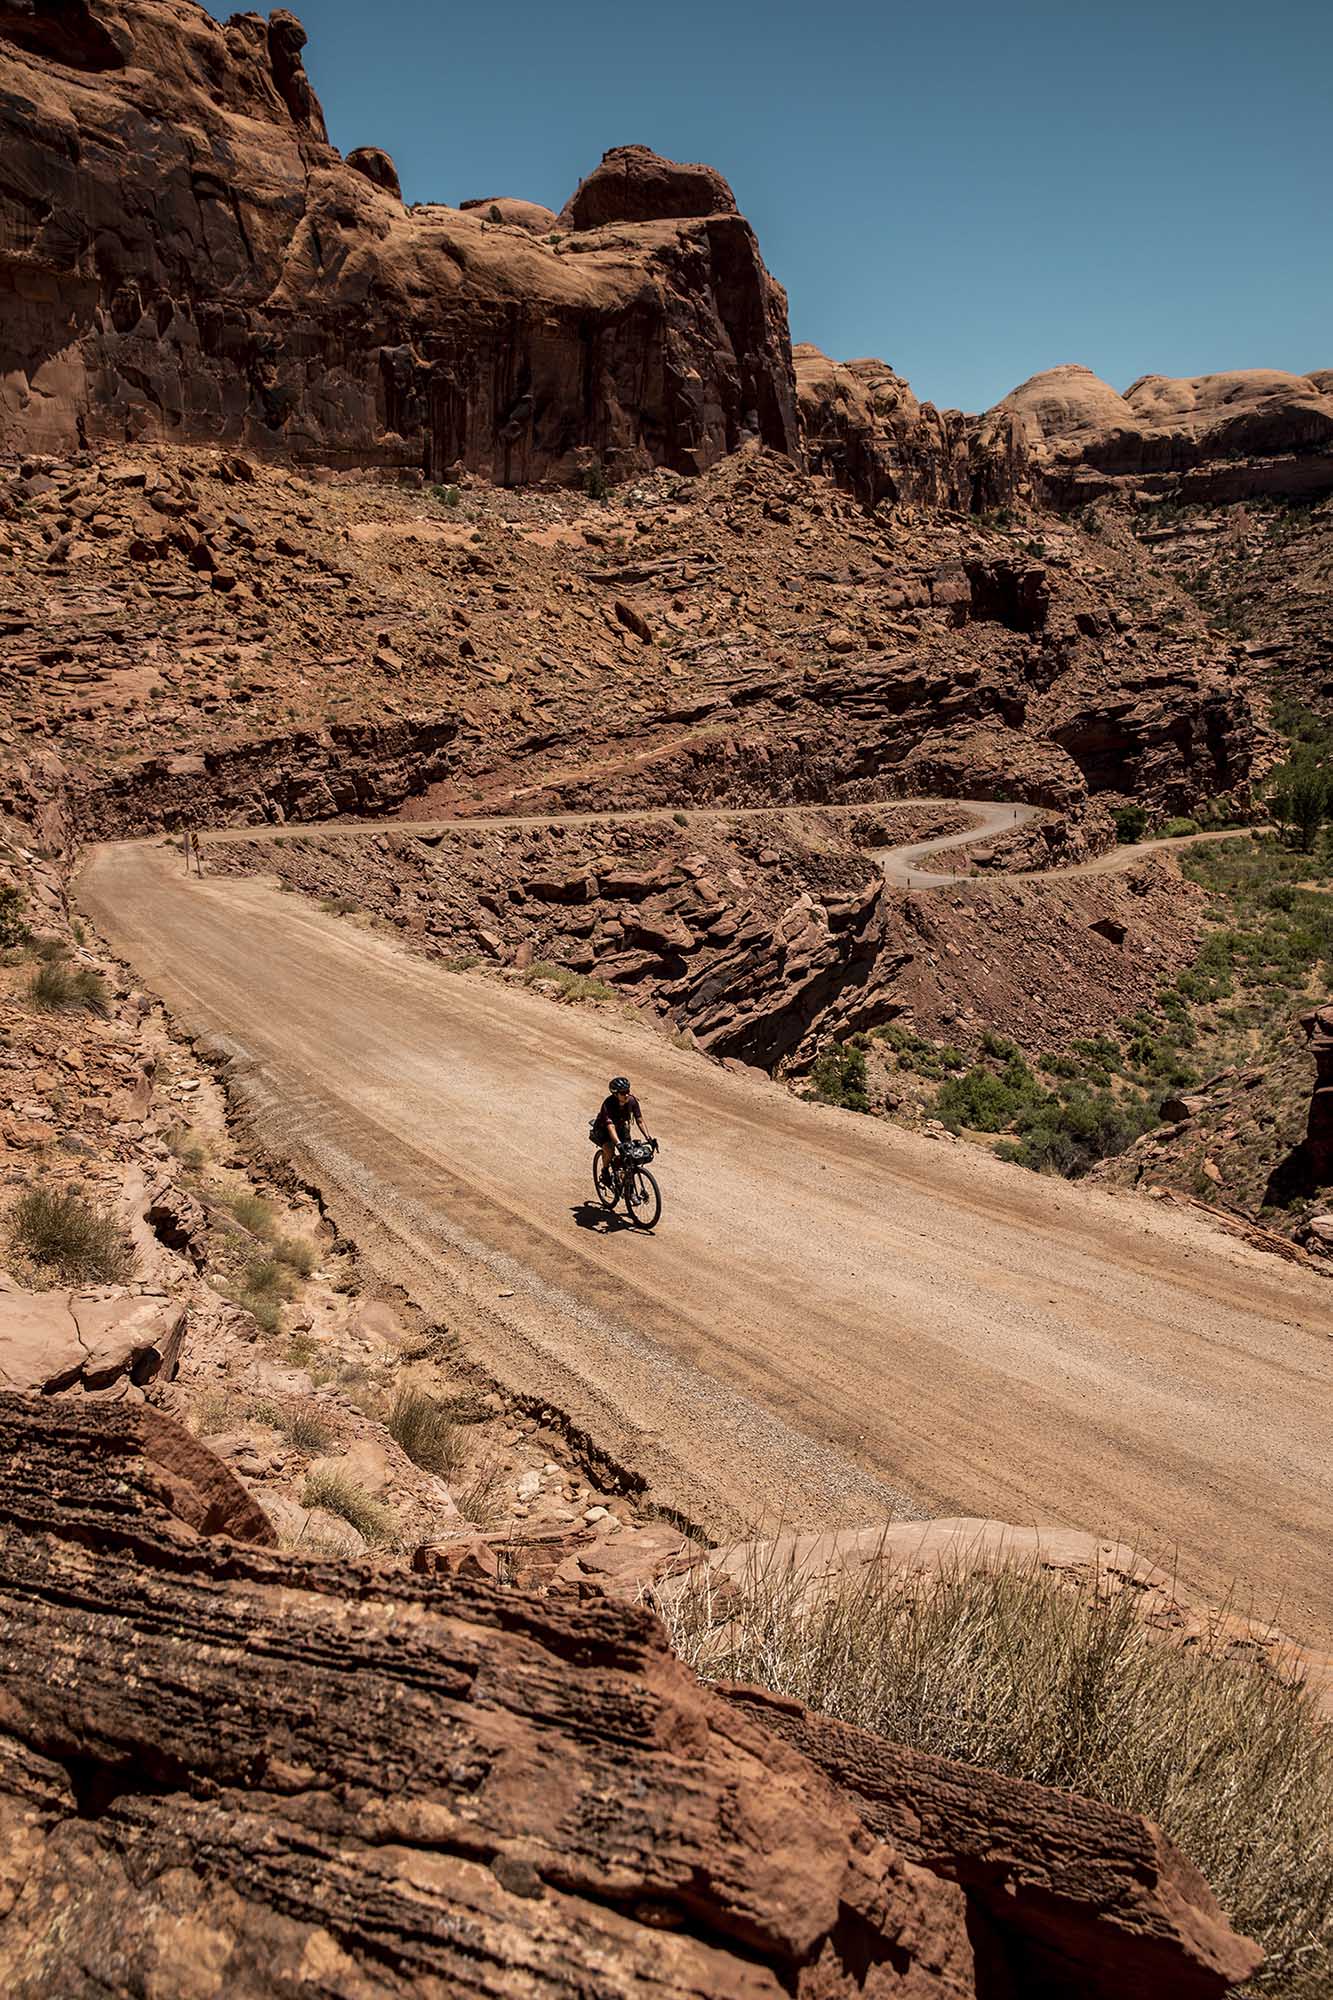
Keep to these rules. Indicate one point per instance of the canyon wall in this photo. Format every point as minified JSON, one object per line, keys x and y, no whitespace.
{"x":183,"y":256}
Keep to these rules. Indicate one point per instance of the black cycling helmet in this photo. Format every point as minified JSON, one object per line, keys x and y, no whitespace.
{"x":619,"y":1083}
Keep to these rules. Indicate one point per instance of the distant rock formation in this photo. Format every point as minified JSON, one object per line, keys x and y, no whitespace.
{"x":634,"y":184}
{"x":1254,"y":432}
{"x":183,"y":256}
{"x":1065,"y":437}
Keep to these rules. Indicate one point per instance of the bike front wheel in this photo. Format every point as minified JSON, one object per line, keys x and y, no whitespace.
{"x":604,"y":1182}
{"x":643,"y":1199}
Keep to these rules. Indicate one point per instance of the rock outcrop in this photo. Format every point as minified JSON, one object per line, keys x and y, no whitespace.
{"x":99,"y":1339}
{"x":183,"y":256}
{"x":634,"y":184}
{"x":1255,"y":432}
{"x":861,"y":423}
{"x":1318,"y":1026}
{"x":299,"y":1772}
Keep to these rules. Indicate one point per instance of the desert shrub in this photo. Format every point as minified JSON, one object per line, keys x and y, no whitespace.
{"x":422,"y":1425}
{"x":573,"y":985}
{"x":681,"y":819}
{"x":211,"y":1412}
{"x":337,"y":1494}
{"x":13,"y":930}
{"x":1068,"y":1135}
{"x":839,"y":1077}
{"x":59,"y":988}
{"x":1178,"y":829}
{"x":302,"y":1424}
{"x":251,"y":1211}
{"x":595,"y":482}
{"x":1016,"y":1670}
{"x":494,"y":214}
{"x":338,"y":906}
{"x":985,"y":1101}
{"x":296,"y":1253}
{"x":187,"y":1146}
{"x":480,"y":1498}
{"x":69,"y":1238}
{"x":1130,"y":823}
{"x":266,"y":1278}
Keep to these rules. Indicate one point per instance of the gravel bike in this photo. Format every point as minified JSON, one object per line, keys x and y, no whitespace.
{"x":628,"y":1178}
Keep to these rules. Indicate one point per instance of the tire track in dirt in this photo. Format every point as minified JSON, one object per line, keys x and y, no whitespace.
{"x":835,"y":1317}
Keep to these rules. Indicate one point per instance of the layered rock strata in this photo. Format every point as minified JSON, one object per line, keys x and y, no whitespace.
{"x":297,"y":1771}
{"x":184,"y":256}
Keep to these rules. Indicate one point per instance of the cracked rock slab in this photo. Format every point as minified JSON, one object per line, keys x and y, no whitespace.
{"x":58,"y":1340}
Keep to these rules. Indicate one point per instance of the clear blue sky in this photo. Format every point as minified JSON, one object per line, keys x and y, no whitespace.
{"x":972,"y":192}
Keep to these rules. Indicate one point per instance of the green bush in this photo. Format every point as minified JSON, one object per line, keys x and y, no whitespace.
{"x":1130,"y":824}
{"x":1178,"y":829}
{"x":70,"y":1239}
{"x":595,"y":482}
{"x":251,"y":1211}
{"x":839,"y":1077}
{"x":296,"y":1254}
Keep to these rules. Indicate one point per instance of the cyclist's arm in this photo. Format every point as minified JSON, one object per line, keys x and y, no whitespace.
{"x":642,"y":1127}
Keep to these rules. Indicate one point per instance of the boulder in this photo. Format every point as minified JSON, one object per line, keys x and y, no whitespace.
{"x":529,"y":215}
{"x":408,"y":1783}
{"x":635,"y":184}
{"x":376,"y":166}
{"x":57,"y":1340}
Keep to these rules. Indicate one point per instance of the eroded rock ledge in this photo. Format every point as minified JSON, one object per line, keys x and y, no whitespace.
{"x":301,"y":1772}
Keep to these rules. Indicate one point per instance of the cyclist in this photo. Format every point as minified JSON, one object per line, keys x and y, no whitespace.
{"x":612,"y":1122}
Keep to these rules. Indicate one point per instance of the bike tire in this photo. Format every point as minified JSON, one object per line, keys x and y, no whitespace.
{"x":606,"y":1190}
{"x":643,"y":1199}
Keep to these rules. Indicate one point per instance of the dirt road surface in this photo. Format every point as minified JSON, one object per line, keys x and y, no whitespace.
{"x":834,"y":1318}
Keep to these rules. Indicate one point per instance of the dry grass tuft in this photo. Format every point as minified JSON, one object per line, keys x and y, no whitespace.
{"x":67,"y":1238}
{"x":1022,"y":1672}
{"x":422,"y":1425}
{"x":480,"y":1498}
{"x":301,"y":1424}
{"x":57,"y":988}
{"x":337,"y":1494}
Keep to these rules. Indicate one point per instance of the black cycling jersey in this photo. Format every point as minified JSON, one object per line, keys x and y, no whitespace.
{"x":615,"y":1115}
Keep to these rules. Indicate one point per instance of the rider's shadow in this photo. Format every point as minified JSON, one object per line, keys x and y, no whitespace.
{"x":591,"y":1215}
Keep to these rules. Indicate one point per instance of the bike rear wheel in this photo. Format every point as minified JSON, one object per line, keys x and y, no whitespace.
{"x":643,"y":1198}
{"x":604,"y":1182}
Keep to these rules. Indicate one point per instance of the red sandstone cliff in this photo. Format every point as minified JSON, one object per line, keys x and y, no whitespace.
{"x":184,"y":256}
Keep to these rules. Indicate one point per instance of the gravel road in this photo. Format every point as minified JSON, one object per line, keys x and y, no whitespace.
{"x":835,"y":1318}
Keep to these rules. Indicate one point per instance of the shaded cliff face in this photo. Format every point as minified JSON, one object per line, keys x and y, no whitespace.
{"x":183,"y":256}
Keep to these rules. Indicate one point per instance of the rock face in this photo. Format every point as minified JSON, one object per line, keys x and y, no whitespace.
{"x":861,"y":423}
{"x":1318,"y":1026}
{"x":1253,"y":432}
{"x":377,"y":167}
{"x":185,"y":257}
{"x":634,"y":184}
{"x":314,"y":1773}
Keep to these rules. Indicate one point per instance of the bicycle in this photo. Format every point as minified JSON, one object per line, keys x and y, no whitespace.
{"x":628,"y":1178}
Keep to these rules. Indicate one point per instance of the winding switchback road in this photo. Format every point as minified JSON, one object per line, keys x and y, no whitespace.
{"x":836,"y":1318}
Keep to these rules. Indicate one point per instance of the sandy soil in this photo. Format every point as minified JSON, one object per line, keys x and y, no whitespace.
{"x":834,"y":1318}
